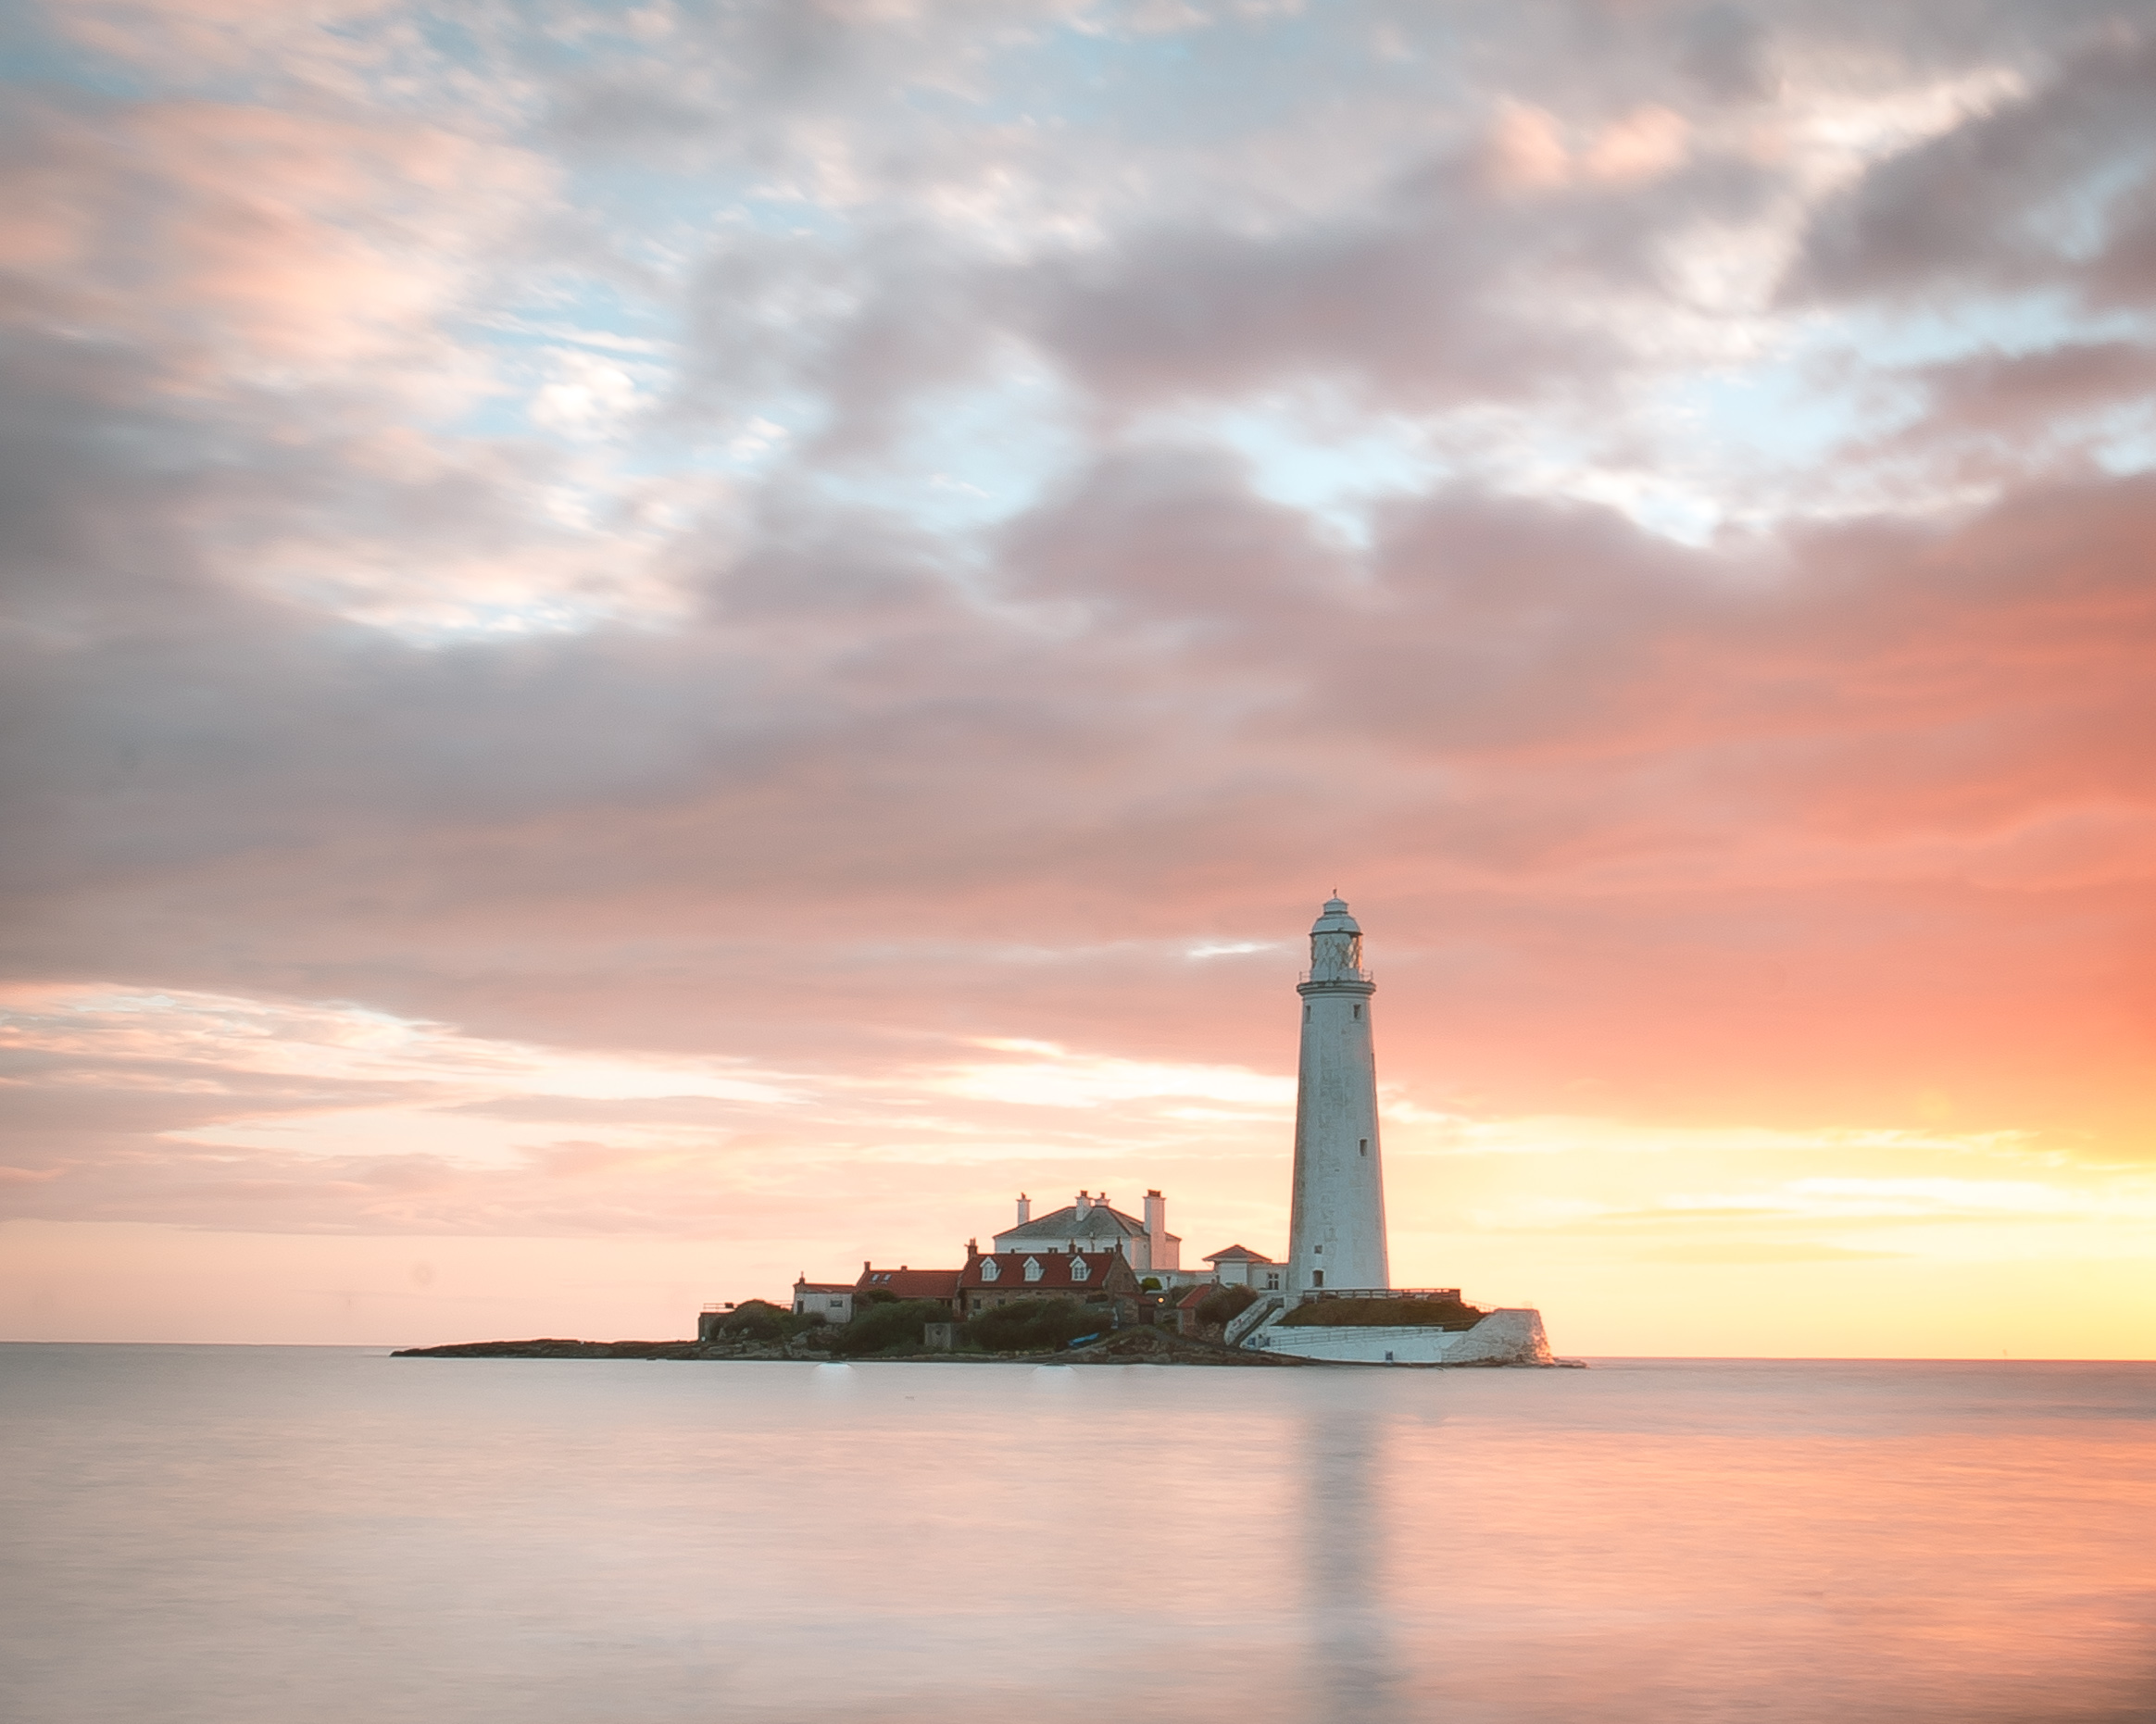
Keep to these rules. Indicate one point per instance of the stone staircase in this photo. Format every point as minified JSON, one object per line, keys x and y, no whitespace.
{"x":1254,"y":1317}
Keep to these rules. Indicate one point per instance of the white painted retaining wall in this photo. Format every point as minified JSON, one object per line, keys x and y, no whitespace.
{"x":1511,"y":1336}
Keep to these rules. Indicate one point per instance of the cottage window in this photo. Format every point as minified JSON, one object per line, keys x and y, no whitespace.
{"x":1033,"y":1269}
{"x":1273,"y":1283}
{"x":1078,"y":1270}
{"x":838,"y":1305}
{"x":1317,"y":1278}
{"x":990,"y":1268}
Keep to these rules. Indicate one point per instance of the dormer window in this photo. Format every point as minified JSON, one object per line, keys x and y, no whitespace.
{"x":991,"y":1269}
{"x":1033,"y":1269}
{"x":1078,"y":1270}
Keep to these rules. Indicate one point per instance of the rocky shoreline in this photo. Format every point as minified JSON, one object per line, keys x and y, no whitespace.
{"x":1128,"y":1346}
{"x":1125,"y":1346}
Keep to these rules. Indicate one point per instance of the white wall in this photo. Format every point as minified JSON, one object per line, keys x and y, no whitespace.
{"x":1337,"y":1228}
{"x":1508,"y":1337}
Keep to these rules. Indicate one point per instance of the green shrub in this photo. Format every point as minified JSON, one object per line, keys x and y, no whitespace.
{"x":758,"y":1320}
{"x":1036,"y":1325}
{"x":1224,"y":1304}
{"x":1150,"y":1284}
{"x":888,"y":1327}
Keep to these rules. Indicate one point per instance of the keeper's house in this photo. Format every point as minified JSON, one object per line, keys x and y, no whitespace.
{"x":996,"y":1278}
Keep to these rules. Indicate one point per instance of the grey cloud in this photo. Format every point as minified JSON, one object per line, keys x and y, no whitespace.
{"x":754,"y":82}
{"x":1729,"y":51}
{"x":2027,"y":196}
{"x":2000,"y":418}
{"x":1149,"y":261}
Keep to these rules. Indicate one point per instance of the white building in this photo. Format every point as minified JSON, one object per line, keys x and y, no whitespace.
{"x":1336,"y":1236}
{"x":1238,"y":1266}
{"x":832,"y":1301}
{"x":1092,"y":1224}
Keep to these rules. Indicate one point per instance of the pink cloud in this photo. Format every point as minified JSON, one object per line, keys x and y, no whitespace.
{"x":247,"y":244}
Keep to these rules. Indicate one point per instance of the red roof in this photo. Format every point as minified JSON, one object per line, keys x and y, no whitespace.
{"x":1058,"y":1270}
{"x":1195,"y":1296}
{"x":909,"y":1283}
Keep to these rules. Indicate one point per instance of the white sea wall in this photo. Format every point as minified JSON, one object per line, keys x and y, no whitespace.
{"x":1509,"y":1336}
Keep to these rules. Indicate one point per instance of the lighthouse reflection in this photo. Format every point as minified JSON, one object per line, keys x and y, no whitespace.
{"x":1353,"y":1671}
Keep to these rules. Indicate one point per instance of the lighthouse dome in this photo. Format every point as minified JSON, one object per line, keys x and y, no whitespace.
{"x":1335,"y":919}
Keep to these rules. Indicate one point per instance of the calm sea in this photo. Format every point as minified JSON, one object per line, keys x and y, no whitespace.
{"x":331,"y":1536}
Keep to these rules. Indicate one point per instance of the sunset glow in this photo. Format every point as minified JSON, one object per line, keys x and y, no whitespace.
{"x":656,"y":646}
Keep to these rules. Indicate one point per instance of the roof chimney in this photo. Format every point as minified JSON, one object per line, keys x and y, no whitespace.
{"x":1085,"y":1202}
{"x":1024,"y":1208}
{"x":1159,"y":1254}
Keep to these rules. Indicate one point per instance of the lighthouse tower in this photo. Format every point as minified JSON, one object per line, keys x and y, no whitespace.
{"x":1336,"y":1227}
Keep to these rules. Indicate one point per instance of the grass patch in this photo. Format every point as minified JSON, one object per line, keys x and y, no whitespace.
{"x":1383,"y":1314}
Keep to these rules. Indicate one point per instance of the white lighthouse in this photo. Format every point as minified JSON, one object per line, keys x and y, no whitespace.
{"x":1336,"y":1225}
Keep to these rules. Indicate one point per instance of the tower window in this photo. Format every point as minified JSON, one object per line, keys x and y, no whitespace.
{"x":1306,"y":1011}
{"x":1317,"y":1278}
{"x":1365,"y":1143}
{"x":1359,"y":1011}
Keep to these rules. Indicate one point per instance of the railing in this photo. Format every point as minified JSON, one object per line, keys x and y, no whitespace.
{"x":1255,"y":1316}
{"x":1368,"y":975}
{"x":1380,"y":1292}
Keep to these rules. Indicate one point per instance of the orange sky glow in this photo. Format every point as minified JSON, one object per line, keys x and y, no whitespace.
{"x":652,"y":648}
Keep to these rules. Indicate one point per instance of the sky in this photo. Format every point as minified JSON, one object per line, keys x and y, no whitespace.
{"x":651,"y":647}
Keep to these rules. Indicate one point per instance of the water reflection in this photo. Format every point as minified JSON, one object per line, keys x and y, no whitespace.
{"x":250,"y":1536}
{"x":1347,"y":1536}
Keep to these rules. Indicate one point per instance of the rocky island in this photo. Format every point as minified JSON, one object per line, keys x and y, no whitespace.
{"x":1089,"y":1285}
